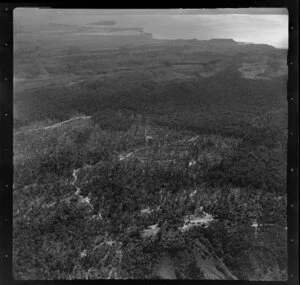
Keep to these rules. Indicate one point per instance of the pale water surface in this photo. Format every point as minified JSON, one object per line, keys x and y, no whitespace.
{"x":257,"y":28}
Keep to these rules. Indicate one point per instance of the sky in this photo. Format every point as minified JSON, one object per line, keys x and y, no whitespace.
{"x":255,"y":25}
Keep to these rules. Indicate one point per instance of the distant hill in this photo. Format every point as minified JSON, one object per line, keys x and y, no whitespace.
{"x":105,"y":23}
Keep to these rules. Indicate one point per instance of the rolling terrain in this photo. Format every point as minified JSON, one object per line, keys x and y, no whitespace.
{"x":144,"y":158}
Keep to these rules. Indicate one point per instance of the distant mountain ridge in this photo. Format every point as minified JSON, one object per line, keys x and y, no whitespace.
{"x":105,"y":23}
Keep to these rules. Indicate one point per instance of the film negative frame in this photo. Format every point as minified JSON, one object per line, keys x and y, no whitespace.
{"x":6,"y":132}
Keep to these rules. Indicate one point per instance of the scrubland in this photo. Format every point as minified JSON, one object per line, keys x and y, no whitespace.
{"x":93,"y":198}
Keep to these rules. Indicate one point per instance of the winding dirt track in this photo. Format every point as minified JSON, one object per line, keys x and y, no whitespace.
{"x":55,"y":125}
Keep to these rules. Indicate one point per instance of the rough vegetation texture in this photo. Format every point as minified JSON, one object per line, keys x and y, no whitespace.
{"x":94,"y":199}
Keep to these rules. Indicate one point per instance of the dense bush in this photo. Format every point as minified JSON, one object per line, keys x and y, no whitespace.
{"x":238,"y":173}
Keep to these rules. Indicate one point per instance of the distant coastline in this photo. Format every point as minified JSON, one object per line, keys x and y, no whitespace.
{"x":104,"y":23}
